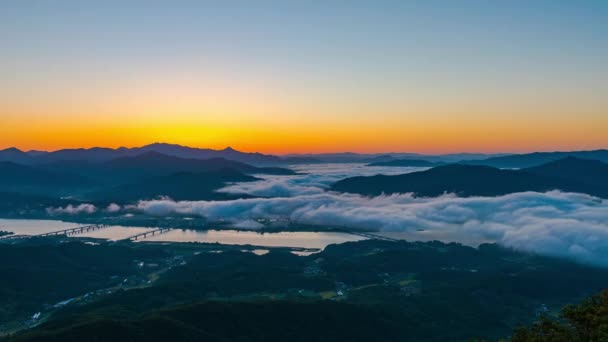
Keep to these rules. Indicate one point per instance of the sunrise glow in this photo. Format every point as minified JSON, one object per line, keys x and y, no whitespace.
{"x":305,"y":78}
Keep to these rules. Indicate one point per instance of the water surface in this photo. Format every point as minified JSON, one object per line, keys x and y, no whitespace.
{"x":318,"y":240}
{"x":232,"y":237}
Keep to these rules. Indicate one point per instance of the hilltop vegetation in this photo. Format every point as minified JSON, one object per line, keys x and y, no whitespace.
{"x":39,"y":273}
{"x":389,"y":290}
{"x":227,"y":321}
{"x":584,"y":322}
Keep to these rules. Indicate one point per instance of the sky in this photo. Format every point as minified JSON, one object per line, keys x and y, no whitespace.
{"x":305,"y":76}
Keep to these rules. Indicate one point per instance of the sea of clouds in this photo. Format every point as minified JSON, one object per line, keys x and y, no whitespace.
{"x":554,"y":223}
{"x":312,"y":179}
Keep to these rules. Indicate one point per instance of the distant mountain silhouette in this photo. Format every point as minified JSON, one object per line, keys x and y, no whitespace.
{"x":30,"y":180}
{"x":301,"y":160}
{"x":463,"y":180}
{"x":98,"y":154}
{"x":164,"y":163}
{"x":350,"y":157}
{"x":133,"y":177}
{"x":94,"y":155}
{"x":407,"y":163}
{"x":199,"y":153}
{"x":124,"y":170}
{"x":380,"y":159}
{"x":344,"y":157}
{"x":158,"y":159}
{"x":15,"y":155}
{"x":473,"y":180}
{"x":126,"y":179}
{"x":184,"y":186}
{"x":537,"y":158}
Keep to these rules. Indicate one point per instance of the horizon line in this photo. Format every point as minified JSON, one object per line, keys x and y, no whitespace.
{"x":293,"y":153}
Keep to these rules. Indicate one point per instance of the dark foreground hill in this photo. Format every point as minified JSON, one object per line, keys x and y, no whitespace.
{"x":359,"y":291}
{"x":587,"y":321}
{"x":251,"y":322}
{"x":574,"y":175}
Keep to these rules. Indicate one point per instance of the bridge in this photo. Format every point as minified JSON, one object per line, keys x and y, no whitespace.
{"x":372,"y":236}
{"x":144,"y":235}
{"x":74,"y":231}
{"x":63,"y":232}
{"x":367,"y":235}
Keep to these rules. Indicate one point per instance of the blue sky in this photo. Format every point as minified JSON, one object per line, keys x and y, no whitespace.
{"x":416,"y":64}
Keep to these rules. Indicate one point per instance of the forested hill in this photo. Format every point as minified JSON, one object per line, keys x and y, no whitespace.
{"x":571,"y":174}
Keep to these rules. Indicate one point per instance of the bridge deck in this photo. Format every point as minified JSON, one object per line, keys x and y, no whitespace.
{"x":367,"y":235}
{"x":74,"y":231}
{"x":144,"y":235}
{"x":66,"y":232}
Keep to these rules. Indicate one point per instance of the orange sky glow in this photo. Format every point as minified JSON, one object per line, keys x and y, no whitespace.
{"x":306,"y":77}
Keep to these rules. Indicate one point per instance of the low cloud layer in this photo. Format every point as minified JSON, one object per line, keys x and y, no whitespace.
{"x":72,"y":210}
{"x":554,"y":223}
{"x":314,"y":179}
{"x":558,"y":224}
{"x":113,"y":208}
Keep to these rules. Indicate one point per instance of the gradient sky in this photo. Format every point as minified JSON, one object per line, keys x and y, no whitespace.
{"x":305,"y":76}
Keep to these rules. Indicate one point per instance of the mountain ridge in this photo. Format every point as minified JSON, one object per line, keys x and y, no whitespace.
{"x":481,"y":180}
{"x":537,"y":158}
{"x":408,"y":163}
{"x":180,"y":186}
{"x":103,"y":154}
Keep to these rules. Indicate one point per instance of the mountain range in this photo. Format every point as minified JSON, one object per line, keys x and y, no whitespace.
{"x":350,"y":157}
{"x":567,"y":174}
{"x":31,"y":180}
{"x":536,"y":158}
{"x":181,"y":186}
{"x":100,"y":154}
{"x":146,"y":175}
{"x":126,"y":175}
{"x":154,"y":164}
{"x":407,"y":163}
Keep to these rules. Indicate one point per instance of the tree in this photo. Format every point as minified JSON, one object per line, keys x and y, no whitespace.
{"x":586,"y":322}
